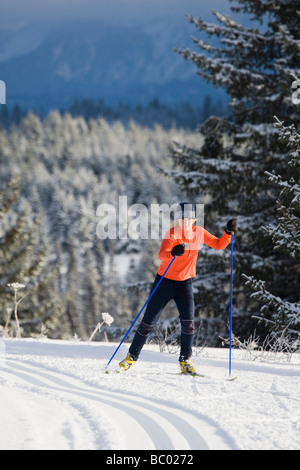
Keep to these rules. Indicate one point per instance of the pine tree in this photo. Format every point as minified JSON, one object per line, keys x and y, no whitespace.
{"x":256,"y":67}
{"x":277,"y":313}
{"x":24,"y":260}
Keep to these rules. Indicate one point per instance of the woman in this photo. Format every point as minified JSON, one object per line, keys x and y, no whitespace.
{"x":183,"y":241}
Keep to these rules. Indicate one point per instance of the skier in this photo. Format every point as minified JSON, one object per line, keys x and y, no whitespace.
{"x":182,"y":241}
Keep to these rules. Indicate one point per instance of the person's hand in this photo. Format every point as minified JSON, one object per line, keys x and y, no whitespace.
{"x":178,"y":250}
{"x":231,"y":226}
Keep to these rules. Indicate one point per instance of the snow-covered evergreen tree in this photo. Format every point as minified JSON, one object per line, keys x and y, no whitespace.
{"x":256,"y":66}
{"x":24,"y":260}
{"x":280,"y":314}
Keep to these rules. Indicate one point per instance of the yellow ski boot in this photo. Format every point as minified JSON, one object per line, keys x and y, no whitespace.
{"x":127,"y":362}
{"x":187,"y":367}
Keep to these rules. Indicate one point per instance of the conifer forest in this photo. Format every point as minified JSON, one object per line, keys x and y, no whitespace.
{"x":241,"y":160}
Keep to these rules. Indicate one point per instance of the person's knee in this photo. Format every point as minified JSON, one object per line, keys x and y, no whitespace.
{"x":188,"y":327}
{"x":144,"y":329}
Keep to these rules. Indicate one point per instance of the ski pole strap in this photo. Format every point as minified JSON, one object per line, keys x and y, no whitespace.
{"x":145,"y":304}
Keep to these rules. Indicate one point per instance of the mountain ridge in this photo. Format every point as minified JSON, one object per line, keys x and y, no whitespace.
{"x":94,"y":59}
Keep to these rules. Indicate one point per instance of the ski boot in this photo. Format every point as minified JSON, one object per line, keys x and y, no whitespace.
{"x":127,"y":362}
{"x":187,"y":367}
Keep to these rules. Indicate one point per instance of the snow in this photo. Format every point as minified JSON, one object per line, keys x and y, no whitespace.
{"x":56,"y":395}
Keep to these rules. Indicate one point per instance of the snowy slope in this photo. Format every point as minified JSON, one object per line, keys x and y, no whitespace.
{"x":55,"y":395}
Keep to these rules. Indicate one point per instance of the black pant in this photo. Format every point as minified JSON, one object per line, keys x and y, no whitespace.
{"x":182,"y":293}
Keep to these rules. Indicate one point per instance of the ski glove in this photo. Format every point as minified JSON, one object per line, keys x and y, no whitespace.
{"x":178,"y":250}
{"x":231,"y":226}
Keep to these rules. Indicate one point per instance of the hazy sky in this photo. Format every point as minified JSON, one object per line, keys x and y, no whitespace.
{"x":12,"y":11}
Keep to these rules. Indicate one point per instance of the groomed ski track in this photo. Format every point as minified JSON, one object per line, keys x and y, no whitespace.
{"x":45,"y":404}
{"x":137,"y":422}
{"x":56,"y":395}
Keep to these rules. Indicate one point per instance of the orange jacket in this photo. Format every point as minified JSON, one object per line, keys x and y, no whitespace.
{"x":184,"y":267}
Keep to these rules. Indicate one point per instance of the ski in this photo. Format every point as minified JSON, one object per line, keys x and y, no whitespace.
{"x":231,"y":379}
{"x":194,"y":374}
{"x":116,"y":371}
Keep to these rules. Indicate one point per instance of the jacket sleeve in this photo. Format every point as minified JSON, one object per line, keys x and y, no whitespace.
{"x":216,"y":243}
{"x":166,"y":248}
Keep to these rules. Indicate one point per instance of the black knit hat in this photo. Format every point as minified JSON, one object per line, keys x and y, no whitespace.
{"x":185,"y":210}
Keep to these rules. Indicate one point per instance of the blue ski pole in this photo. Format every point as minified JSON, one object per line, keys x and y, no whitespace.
{"x":230,"y":320}
{"x":135,"y":320}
